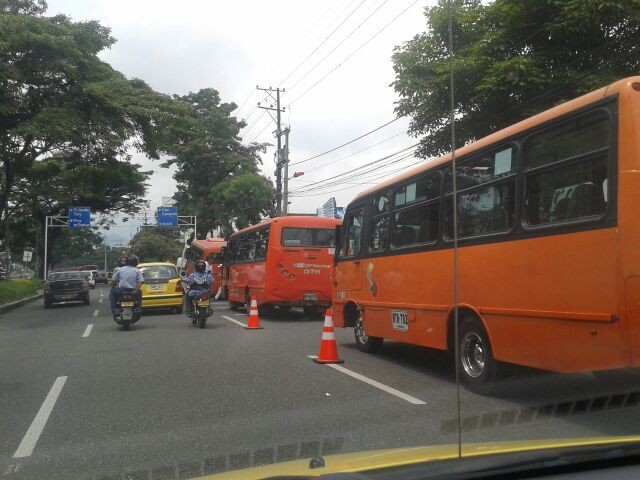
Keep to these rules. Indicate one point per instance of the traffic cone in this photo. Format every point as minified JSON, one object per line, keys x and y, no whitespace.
{"x":328,"y":348}
{"x":254,"y":320}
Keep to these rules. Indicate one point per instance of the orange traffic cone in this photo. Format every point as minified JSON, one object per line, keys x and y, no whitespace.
{"x":328,"y":348}
{"x":254,"y":320}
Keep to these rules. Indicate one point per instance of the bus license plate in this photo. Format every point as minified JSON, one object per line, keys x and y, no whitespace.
{"x":126,"y":304}
{"x":400,"y":321}
{"x":310,"y":297}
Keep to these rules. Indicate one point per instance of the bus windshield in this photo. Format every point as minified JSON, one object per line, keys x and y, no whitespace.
{"x":308,"y":237}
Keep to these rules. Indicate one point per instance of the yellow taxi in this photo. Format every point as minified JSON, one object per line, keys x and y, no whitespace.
{"x":161,"y":288}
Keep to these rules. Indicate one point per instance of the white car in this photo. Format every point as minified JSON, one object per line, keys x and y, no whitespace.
{"x":90,"y":278}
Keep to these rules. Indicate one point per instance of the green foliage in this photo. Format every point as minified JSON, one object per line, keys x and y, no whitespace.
{"x":241,"y":201}
{"x":68,"y":122}
{"x":512,"y":59}
{"x":210,"y":157}
{"x":72,"y":244}
{"x":13,"y":290}
{"x":155,"y":245}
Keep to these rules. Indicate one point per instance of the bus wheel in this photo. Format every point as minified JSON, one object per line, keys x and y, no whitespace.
{"x":363,"y":341}
{"x":477,"y":366}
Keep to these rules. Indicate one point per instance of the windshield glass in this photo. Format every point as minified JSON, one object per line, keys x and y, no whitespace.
{"x":467,"y":283}
{"x":160,"y":273}
{"x":54,"y":277}
{"x":308,"y":237}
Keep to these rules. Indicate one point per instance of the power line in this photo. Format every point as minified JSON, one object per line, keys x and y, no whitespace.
{"x":338,"y":45}
{"x":353,"y":53}
{"x":356,"y":153}
{"x":347,"y":143}
{"x":371,"y":181}
{"x":323,"y":42}
{"x":319,"y":183}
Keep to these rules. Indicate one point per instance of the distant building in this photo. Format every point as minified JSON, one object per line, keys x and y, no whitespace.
{"x":330,"y":210}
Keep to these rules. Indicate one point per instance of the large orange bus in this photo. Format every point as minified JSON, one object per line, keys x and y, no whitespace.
{"x":548,"y":257}
{"x":209,"y":250}
{"x":284,"y":262}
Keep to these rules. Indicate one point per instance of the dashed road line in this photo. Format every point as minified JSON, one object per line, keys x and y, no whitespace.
{"x":100,"y":300}
{"x":96,"y":313}
{"x":235,"y":321}
{"x":25,"y":449}
{"x":87,"y":330}
{"x":374,"y":383}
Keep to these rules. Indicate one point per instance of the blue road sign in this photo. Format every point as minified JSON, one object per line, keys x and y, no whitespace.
{"x":79,"y":217}
{"x":168,"y":217}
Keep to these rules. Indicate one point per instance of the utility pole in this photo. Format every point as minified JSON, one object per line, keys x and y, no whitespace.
{"x":285,"y":161}
{"x":278,"y":134}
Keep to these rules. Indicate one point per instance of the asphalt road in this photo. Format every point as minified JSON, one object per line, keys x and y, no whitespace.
{"x":167,"y":400}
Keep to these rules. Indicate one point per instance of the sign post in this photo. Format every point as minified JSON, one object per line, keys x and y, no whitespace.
{"x":78,"y":217}
{"x":168,"y":217}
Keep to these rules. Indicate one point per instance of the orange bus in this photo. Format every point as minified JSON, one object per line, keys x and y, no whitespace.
{"x":209,"y":250}
{"x":284,"y":262}
{"x":548,"y":236}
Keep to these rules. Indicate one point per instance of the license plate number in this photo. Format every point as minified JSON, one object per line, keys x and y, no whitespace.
{"x":310,"y":297}
{"x":68,"y":297}
{"x":156,"y":287}
{"x":126,"y":304}
{"x":203,"y":303}
{"x":400,"y":321}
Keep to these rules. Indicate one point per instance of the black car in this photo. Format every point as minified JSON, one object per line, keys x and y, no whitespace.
{"x":102,"y":277}
{"x":66,"y":287}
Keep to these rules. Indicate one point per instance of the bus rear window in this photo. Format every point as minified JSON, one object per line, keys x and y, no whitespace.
{"x":308,"y":237}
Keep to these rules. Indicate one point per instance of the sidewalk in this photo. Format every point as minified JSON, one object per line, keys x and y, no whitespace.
{"x":7,"y":307}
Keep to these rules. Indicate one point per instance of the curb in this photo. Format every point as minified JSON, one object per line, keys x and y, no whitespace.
{"x":7,"y":307}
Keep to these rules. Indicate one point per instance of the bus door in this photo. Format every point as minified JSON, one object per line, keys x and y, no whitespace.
{"x":348,"y":270}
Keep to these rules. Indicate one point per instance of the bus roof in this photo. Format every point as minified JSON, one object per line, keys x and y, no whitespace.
{"x":294,"y":221}
{"x":571,"y":105}
{"x":209,"y":243}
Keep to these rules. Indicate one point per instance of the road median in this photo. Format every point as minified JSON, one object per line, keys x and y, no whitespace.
{"x":15,"y":293}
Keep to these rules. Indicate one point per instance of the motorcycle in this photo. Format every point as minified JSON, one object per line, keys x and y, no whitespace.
{"x":200,"y":305}
{"x":126,"y":312}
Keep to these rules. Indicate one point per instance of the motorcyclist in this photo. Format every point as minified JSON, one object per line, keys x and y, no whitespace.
{"x":127,"y":279}
{"x":198,"y":281}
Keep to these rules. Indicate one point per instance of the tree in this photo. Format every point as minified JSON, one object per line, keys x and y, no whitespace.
{"x":512,"y":59}
{"x":61,"y":105}
{"x":210,"y":158}
{"x":241,"y":201}
{"x":155,"y":245}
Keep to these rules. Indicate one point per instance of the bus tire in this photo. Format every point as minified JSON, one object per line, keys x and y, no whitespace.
{"x":363,"y":341}
{"x":478,"y":369}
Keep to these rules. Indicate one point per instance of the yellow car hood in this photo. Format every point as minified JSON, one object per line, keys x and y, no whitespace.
{"x":397,"y":457}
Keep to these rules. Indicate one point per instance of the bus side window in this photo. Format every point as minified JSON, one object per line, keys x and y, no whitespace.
{"x":353,"y":243}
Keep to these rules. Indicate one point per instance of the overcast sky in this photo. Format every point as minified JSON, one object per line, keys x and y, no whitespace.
{"x":233,"y":46}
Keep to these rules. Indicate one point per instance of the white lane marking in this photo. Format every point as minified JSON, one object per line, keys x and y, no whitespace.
{"x":100,"y":300}
{"x":25,"y":449}
{"x":381,"y":386}
{"x":96,"y":313}
{"x":87,"y":330}
{"x":234,"y":321}
{"x":240,"y":314}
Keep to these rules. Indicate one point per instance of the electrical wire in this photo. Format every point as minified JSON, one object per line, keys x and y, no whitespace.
{"x":346,"y":143}
{"x":356,"y":153}
{"x":323,"y":42}
{"x":361,"y":170}
{"x":352,"y":54}
{"x":337,"y":46}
